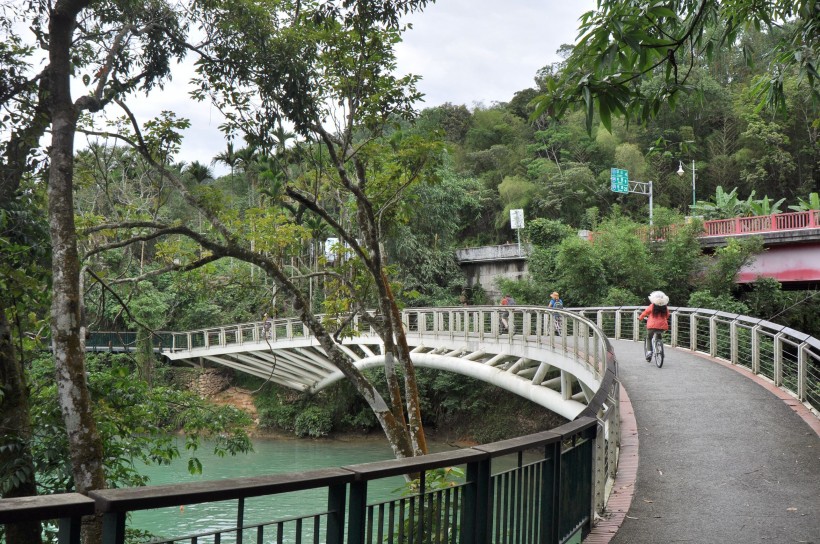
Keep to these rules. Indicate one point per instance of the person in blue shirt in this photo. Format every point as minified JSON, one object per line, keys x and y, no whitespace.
{"x":557,"y":304}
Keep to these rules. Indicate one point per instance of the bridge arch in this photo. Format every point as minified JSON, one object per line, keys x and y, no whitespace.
{"x":543,"y":396}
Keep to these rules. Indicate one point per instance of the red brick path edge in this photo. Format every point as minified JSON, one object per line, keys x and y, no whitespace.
{"x":620,"y":499}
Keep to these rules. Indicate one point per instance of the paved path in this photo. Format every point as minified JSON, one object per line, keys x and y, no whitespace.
{"x":721,"y":459}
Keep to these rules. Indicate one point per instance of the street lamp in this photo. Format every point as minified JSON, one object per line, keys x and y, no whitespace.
{"x":680,"y":173}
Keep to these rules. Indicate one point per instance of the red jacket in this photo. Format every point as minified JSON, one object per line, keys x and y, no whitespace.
{"x":656,"y":321}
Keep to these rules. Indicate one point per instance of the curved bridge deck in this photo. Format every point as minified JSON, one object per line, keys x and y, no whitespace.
{"x":718,"y":457}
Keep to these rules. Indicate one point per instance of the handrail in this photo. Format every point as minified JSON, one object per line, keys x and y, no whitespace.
{"x":737,"y":226}
{"x":559,"y":483}
{"x":787,"y":358}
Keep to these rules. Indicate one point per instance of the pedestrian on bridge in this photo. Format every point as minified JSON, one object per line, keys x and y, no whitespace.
{"x":558,"y":304}
{"x":658,"y":319}
{"x":266,"y":324}
{"x":506,"y":300}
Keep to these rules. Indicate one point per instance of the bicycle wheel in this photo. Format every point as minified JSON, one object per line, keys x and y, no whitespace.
{"x":658,"y":349}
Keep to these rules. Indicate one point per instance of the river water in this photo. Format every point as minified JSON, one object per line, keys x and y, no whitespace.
{"x":270,"y":456}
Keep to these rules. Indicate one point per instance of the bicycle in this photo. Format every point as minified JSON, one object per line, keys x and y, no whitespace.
{"x":657,"y":348}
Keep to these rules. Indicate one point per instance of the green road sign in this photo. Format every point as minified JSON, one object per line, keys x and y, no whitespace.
{"x":619,"y":180}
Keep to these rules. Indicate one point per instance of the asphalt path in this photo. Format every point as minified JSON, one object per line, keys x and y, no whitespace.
{"x":721,"y":458}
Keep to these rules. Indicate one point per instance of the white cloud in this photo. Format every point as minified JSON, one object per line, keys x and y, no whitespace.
{"x":466,"y":51}
{"x":484,"y":51}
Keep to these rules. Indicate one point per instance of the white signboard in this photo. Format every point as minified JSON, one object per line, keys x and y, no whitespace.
{"x":517,"y":219}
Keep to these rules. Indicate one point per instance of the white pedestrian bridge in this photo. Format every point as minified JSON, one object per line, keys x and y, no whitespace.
{"x":558,"y":367}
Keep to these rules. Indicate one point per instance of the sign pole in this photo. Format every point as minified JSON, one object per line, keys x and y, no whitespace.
{"x":619,"y":183}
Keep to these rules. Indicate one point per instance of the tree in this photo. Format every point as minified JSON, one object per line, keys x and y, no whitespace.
{"x":326,"y":56}
{"x":139,"y":41}
{"x":624,"y":43}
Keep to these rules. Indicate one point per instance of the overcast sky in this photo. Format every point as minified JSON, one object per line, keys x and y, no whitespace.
{"x":467,"y":52}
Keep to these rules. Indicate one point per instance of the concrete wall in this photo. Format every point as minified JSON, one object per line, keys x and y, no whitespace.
{"x":485,"y":265}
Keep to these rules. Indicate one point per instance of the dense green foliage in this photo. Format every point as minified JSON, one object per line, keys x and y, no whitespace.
{"x":138,"y":423}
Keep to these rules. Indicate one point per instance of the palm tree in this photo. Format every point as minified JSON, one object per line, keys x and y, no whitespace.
{"x":227,"y":157}
{"x":199,"y":172}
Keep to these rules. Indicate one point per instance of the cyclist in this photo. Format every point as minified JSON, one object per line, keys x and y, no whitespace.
{"x":658,"y":316}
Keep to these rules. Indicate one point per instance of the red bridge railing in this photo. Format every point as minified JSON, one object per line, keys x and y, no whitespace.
{"x":762,"y":223}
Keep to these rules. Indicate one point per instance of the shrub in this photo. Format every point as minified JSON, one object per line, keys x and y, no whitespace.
{"x":314,"y":422}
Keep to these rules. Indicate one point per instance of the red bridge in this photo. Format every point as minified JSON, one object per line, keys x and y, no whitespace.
{"x":792,"y":242}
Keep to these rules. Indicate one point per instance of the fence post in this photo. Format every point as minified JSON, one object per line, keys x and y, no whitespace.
{"x":733,"y":349}
{"x":113,"y":530}
{"x":756,"y":349}
{"x":674,"y":332}
{"x":713,"y":336}
{"x":693,"y":332}
{"x":802,"y":371}
{"x":476,"y":513}
{"x":336,"y":515}
{"x":357,"y":513}
{"x":777,"y":371}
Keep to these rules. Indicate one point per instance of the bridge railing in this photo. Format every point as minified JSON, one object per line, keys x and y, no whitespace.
{"x":545,"y":497}
{"x":560,"y":330}
{"x":762,"y":223}
{"x":788,"y":358}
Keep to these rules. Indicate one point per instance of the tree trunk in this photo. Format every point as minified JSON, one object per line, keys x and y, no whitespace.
{"x":84,"y":441}
{"x":15,"y":453}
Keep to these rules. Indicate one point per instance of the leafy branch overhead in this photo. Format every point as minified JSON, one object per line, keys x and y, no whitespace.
{"x":624,"y":44}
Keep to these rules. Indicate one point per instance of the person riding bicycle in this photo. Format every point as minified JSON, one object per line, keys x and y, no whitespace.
{"x":658,"y":319}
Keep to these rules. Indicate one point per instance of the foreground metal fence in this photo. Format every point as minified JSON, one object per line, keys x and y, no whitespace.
{"x":788,"y":358}
{"x":546,"y":498}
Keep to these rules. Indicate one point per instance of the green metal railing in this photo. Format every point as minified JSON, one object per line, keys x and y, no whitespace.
{"x":546,"y":500}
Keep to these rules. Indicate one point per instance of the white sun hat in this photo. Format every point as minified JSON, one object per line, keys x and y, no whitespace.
{"x":659,"y":298}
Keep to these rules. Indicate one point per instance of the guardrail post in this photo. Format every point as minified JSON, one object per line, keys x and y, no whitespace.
{"x":600,"y":464}
{"x":733,"y":349}
{"x":336,"y":516}
{"x":113,"y":530}
{"x":240,"y":519}
{"x":802,"y":371}
{"x":617,"y":325}
{"x":554,"y":488}
{"x":756,"y":350}
{"x":674,"y":329}
{"x":713,"y":336}
{"x":475,"y":520}
{"x":636,"y":326}
{"x":357,"y":513}
{"x":693,"y":332}
{"x":777,"y":371}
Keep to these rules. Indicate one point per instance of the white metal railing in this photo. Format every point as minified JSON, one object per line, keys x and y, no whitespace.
{"x":788,"y":358}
